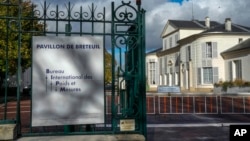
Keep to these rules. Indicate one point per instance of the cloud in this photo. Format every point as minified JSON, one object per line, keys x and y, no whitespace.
{"x":158,"y":12}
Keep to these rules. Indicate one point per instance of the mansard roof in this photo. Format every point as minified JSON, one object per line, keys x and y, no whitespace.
{"x":214,"y":26}
{"x":219,"y":29}
{"x":234,"y":28}
{"x":191,"y":24}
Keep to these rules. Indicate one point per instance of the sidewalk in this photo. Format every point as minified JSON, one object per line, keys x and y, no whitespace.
{"x":207,"y":133}
{"x":193,"y":127}
{"x":132,"y":137}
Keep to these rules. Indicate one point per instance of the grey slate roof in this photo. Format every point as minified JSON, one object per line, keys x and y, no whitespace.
{"x":214,"y":26}
{"x":192,"y":24}
{"x":243,"y":45}
{"x":154,"y":51}
{"x":234,"y":28}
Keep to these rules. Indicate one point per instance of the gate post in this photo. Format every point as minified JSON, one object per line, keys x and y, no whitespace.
{"x":144,"y":97}
{"x":68,"y":128}
{"x":19,"y":69}
{"x":134,"y":70}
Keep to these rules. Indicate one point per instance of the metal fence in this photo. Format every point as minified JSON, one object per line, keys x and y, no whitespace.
{"x":187,"y":104}
{"x":235,"y":104}
{"x":156,"y":105}
{"x":197,"y":104}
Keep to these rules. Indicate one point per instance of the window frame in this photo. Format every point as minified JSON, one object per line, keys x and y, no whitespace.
{"x":207,"y":73}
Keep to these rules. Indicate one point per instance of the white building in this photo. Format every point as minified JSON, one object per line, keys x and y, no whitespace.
{"x":191,"y":54}
{"x":237,"y":61}
{"x":152,"y":71}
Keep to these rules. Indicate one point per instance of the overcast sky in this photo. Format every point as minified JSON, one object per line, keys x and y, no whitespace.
{"x":159,"y":11}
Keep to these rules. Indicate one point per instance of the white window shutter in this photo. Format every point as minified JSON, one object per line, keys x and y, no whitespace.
{"x":199,"y":76}
{"x":156,"y":73}
{"x":160,"y":66}
{"x":215,"y":74}
{"x":204,"y":63}
{"x":166,"y":65}
{"x":214,"y":49}
{"x":230,"y":68}
{"x":203,"y":48}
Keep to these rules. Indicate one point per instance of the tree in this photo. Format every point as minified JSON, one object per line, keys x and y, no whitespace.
{"x":108,"y":67}
{"x":9,"y":39}
{"x":9,"y":36}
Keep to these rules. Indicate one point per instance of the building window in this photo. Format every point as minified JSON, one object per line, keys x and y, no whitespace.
{"x":188,"y":54}
{"x":167,"y":81}
{"x":208,"y":75}
{"x":165,"y":44}
{"x":176,"y":38}
{"x":166,"y":64}
{"x":209,"y":50}
{"x":235,"y":70}
{"x":160,"y":66}
{"x":230,"y":68}
{"x":163,"y":79}
{"x":160,"y":79}
{"x":238,"y":69}
{"x":170,"y":42}
{"x":177,"y":79}
{"x":177,"y":59}
{"x":152,"y":71}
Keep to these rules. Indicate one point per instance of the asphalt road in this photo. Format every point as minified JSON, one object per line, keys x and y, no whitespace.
{"x":165,"y":127}
{"x":206,"y":133}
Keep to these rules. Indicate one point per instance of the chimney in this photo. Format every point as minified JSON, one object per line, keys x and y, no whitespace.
{"x":228,"y":24}
{"x":207,"y":22}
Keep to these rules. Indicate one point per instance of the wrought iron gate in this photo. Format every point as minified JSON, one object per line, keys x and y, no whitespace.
{"x":123,"y":29}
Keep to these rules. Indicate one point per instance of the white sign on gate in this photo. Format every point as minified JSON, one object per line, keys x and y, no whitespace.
{"x":67,"y":80}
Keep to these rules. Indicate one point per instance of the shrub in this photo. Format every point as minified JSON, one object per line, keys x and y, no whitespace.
{"x":229,"y":84}
{"x":239,"y":82}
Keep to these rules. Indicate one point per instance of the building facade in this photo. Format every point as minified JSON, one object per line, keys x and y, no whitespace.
{"x":192,"y":53}
{"x":152,"y":70}
{"x":237,"y":61}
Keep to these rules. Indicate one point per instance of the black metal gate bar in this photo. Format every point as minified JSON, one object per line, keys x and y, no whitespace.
{"x":127,"y":34}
